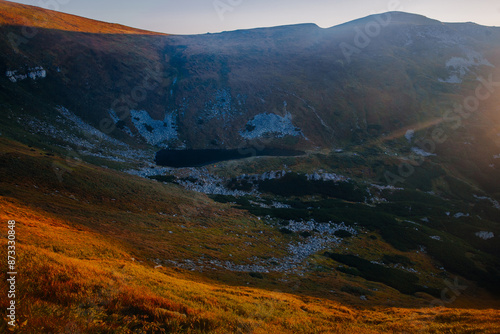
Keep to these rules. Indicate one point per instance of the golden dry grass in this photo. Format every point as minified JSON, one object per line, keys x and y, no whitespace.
{"x":77,"y":275}
{"x":15,"y":14}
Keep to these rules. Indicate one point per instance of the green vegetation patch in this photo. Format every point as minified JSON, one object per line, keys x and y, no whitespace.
{"x":400,"y":280}
{"x":294,"y":184}
{"x":163,"y":178}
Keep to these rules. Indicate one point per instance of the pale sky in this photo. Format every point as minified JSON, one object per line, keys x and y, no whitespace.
{"x":202,"y":16}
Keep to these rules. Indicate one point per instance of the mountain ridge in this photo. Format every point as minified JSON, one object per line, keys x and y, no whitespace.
{"x":322,"y":78}
{"x":13,"y":14}
{"x":16,"y":14}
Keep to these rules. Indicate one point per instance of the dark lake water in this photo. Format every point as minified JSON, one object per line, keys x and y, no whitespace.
{"x":197,"y":158}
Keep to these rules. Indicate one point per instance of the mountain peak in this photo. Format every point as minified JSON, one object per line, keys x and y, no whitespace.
{"x":410,"y":18}
{"x":394,"y":17}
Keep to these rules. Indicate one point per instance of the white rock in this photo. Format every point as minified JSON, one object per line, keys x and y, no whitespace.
{"x":409,"y":135}
{"x":421,"y":152}
{"x":485,"y":235}
{"x":495,"y":203}
{"x":33,"y":73}
{"x":153,"y":131}
{"x":460,"y":66}
{"x":263,"y":124}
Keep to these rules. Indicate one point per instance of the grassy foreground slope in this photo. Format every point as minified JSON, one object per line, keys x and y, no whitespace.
{"x":84,"y":259}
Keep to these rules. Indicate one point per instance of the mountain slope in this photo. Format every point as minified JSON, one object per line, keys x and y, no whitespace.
{"x":111,"y":280}
{"x":321,"y":87}
{"x":299,"y":87}
{"x":14,"y":14}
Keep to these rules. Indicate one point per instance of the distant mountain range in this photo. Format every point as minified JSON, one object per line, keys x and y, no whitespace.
{"x":296,"y":86}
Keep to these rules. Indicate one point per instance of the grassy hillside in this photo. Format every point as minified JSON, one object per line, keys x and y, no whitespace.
{"x":14,"y":14}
